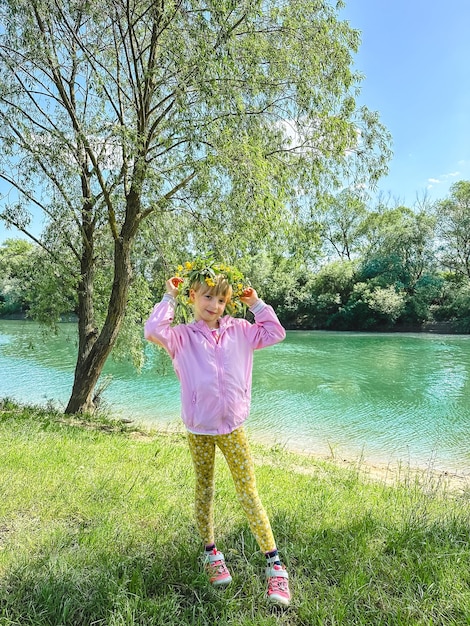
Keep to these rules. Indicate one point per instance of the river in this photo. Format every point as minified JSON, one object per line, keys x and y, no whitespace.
{"x":381,"y":397}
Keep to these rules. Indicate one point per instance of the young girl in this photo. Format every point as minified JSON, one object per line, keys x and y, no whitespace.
{"x":212,"y":357}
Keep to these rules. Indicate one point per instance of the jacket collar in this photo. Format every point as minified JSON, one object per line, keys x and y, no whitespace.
{"x":203,"y":328}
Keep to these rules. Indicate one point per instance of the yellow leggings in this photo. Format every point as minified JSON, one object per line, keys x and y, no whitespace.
{"x":236,"y":451}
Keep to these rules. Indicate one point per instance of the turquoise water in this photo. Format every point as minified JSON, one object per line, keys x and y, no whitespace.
{"x":385,"y":397}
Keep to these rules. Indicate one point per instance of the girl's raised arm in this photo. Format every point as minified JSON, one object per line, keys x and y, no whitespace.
{"x":157,"y":328}
{"x":267,"y":329}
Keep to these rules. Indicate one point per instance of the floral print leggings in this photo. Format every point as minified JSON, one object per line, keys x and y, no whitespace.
{"x":236,"y":451}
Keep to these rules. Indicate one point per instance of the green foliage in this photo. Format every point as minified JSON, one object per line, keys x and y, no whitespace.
{"x":331,"y":290}
{"x":421,"y":305}
{"x":454,"y":303}
{"x":342,"y":222}
{"x":401,"y":245}
{"x":52,"y":292}
{"x":16,"y":265}
{"x":284,"y":282}
{"x":130,"y":343}
{"x":33,"y":284}
{"x":387,"y":302}
{"x":454,"y":229}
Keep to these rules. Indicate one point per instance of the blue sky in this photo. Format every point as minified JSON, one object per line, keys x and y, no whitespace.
{"x":415,"y":56}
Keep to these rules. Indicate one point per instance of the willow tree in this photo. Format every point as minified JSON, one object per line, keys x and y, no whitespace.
{"x":116,"y":113}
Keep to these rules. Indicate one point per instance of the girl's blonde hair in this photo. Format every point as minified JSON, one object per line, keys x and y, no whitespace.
{"x":217,"y":286}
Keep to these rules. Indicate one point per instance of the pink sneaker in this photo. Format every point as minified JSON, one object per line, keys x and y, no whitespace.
{"x":216,"y":569}
{"x":278,"y":584}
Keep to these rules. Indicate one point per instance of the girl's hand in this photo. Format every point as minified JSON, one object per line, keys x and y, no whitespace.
{"x":172,"y":285}
{"x":249,"y":296}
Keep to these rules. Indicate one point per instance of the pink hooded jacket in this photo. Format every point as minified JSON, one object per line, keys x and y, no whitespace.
{"x":215,"y":376}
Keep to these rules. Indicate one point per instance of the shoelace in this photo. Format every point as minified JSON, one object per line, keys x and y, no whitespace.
{"x":219,"y":567}
{"x":278,"y":583}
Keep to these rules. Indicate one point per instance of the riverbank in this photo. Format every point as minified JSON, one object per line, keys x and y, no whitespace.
{"x":96,"y":527}
{"x":404,"y":473}
{"x":387,"y":472}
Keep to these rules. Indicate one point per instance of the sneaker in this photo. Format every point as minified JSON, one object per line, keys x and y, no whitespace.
{"x":216,"y":569}
{"x":278,"y":584}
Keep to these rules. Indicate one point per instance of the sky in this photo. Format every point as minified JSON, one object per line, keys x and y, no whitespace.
{"x":415,"y":58}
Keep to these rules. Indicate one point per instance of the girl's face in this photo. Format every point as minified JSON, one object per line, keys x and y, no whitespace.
{"x":208,"y":306}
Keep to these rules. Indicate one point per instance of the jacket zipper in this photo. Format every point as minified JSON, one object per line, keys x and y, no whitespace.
{"x":220,"y":371}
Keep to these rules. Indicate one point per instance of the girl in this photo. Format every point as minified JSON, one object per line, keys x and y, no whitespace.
{"x":212,"y":357}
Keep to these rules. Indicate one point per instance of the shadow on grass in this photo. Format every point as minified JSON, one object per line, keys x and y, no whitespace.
{"x":64,"y":582}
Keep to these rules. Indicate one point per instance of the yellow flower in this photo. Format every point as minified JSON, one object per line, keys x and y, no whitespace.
{"x":188,"y":265}
{"x":180,"y":268}
{"x":209,"y":281}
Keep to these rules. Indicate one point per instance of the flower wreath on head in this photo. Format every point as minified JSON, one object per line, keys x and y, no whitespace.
{"x":206,"y":271}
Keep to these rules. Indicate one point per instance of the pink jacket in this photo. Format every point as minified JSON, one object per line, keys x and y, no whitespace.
{"x":215,"y":377}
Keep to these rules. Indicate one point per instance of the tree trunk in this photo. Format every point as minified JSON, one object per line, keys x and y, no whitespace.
{"x":94,"y":348}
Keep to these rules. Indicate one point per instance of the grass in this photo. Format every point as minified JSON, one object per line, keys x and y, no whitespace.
{"x":96,"y":528}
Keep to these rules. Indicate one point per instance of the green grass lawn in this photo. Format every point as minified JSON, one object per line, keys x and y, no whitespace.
{"x":96,"y":528}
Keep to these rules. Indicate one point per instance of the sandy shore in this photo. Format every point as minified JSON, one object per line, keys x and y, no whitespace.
{"x":392,"y":473}
{"x":386,"y":470}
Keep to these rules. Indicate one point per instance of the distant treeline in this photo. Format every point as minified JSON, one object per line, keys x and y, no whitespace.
{"x":350,"y":268}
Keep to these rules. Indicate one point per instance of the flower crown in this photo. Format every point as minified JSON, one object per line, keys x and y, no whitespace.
{"x":206,"y":271}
